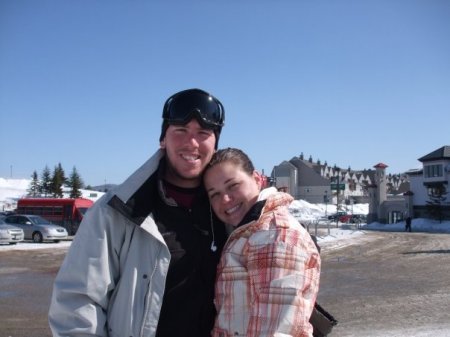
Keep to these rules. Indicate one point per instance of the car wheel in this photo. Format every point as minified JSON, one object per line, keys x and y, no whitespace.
{"x":56,"y":241}
{"x":37,"y":237}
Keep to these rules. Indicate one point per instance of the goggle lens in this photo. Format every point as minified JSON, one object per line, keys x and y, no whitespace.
{"x":182,"y":107}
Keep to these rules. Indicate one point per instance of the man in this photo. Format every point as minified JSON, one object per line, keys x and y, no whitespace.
{"x":143,"y":262}
{"x":408,"y":224}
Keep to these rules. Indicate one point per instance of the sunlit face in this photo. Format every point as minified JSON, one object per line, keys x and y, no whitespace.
{"x":232,"y":191}
{"x":189,"y":149}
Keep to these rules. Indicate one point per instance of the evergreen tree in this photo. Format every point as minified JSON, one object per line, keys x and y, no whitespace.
{"x":75,"y":183}
{"x":438,"y":196}
{"x":58,"y":180}
{"x":45,"y":187}
{"x":34,"y":188}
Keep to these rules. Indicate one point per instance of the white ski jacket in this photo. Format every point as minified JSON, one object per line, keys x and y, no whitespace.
{"x":113,"y":285}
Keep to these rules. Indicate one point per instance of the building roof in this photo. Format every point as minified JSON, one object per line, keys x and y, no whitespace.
{"x":415,"y":172}
{"x":380,"y":165}
{"x":441,"y":153}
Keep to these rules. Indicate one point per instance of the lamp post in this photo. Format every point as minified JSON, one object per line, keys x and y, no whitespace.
{"x":325,"y":199}
{"x":337,"y":195}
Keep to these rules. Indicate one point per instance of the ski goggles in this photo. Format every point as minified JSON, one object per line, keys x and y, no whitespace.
{"x":183,"y":106}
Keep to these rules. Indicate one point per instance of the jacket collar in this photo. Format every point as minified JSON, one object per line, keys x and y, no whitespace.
{"x":254,"y":213}
{"x":132,"y":184}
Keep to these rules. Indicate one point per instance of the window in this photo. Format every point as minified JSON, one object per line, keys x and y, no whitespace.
{"x":436,"y":190}
{"x":432,"y":171}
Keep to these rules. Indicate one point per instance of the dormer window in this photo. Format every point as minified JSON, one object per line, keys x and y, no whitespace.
{"x":433,"y":171}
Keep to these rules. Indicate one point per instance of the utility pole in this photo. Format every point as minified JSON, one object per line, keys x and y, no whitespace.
{"x":325,"y":199}
{"x":337,"y":195}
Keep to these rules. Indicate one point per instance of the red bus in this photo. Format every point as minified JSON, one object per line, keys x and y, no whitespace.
{"x":64,"y":212}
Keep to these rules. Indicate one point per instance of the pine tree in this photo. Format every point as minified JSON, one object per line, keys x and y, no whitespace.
{"x":58,"y":180}
{"x":45,"y":187}
{"x":34,"y":188}
{"x":75,"y":183}
{"x":438,"y":196}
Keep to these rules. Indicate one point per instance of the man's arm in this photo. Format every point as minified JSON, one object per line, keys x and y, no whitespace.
{"x":83,"y":284}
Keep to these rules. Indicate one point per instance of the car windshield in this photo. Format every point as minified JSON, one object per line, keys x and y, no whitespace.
{"x":37,"y":220}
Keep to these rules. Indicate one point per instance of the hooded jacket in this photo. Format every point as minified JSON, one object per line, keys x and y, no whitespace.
{"x":113,"y":278}
{"x":268,"y":275}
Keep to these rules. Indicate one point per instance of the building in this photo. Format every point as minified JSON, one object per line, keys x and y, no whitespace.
{"x":385,"y":207}
{"x":317,"y":183}
{"x":429,"y":185}
{"x":417,"y":193}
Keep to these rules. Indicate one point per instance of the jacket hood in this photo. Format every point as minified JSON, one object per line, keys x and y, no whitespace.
{"x":274,"y":198}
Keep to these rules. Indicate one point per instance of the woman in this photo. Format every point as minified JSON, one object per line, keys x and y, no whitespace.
{"x":268,"y":275}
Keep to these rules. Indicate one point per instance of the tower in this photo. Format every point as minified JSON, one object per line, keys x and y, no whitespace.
{"x":381,"y":190}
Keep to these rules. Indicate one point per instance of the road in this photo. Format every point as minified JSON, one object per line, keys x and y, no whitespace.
{"x":388,"y":284}
{"x":379,"y":285}
{"x":26,"y":280}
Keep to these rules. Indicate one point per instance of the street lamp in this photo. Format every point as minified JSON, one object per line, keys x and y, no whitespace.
{"x":325,"y":200}
{"x":337,"y":195}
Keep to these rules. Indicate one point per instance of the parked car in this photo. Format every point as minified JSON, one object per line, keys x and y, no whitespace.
{"x":358,"y":218}
{"x":10,"y":234}
{"x":337,"y":216}
{"x":5,"y":213}
{"x":348,"y":218}
{"x":37,"y":228}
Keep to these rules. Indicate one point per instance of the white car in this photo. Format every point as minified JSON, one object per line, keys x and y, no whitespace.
{"x":37,"y":228}
{"x":10,"y":234}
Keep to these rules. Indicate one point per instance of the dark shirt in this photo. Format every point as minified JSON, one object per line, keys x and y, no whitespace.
{"x":253,"y":213}
{"x":188,"y":309}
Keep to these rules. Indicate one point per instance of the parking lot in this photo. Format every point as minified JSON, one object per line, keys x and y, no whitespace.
{"x":27,"y":271}
{"x":387,"y":284}
{"x":382,"y":284}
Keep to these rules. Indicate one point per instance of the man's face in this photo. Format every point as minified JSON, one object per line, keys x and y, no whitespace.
{"x":189,"y":149}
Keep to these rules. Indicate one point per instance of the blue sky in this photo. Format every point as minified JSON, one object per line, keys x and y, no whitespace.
{"x":352,"y":83}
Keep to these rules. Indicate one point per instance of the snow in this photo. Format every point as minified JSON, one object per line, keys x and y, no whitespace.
{"x":35,"y":246}
{"x":13,"y":189}
{"x":10,"y":191}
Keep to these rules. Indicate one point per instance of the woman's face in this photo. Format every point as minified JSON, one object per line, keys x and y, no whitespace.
{"x":232,"y":191}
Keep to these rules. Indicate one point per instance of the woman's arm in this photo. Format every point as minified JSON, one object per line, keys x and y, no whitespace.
{"x":284,"y":277}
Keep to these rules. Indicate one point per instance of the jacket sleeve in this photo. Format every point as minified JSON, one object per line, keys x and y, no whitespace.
{"x":285,"y":279}
{"x":87,"y":276}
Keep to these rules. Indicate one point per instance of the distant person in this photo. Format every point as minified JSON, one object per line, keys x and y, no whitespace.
{"x":408,"y":224}
{"x":143,"y":262}
{"x":268,"y":275}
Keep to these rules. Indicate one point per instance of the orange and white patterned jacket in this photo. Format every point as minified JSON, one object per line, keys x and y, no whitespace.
{"x":268,"y":276}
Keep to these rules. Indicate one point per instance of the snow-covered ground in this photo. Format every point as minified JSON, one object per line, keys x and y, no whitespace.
{"x":12,"y":189}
